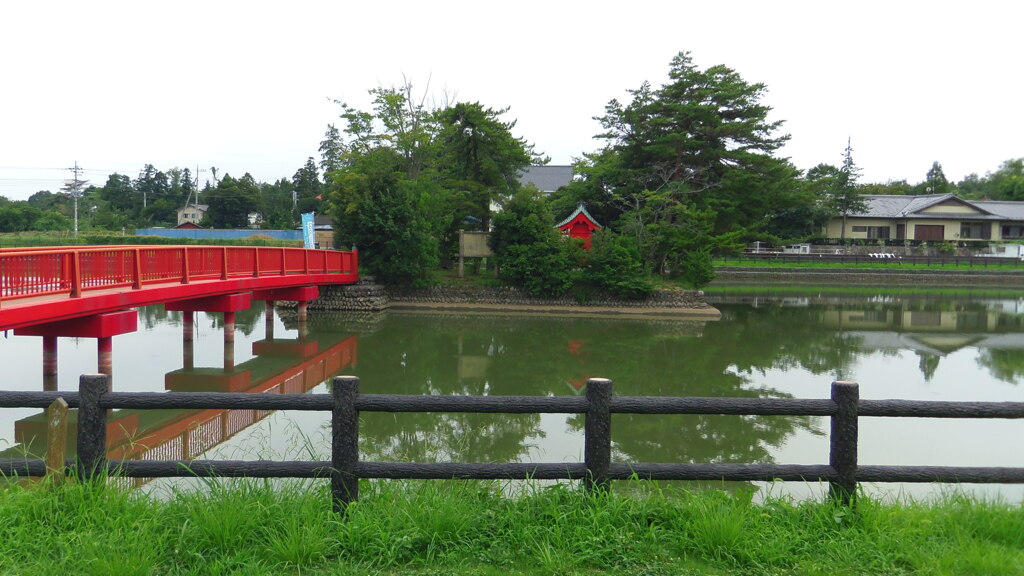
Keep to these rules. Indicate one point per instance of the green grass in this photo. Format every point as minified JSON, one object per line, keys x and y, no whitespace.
{"x":719,"y":287}
{"x":104,"y":238}
{"x":993,"y":264}
{"x":475,"y":528}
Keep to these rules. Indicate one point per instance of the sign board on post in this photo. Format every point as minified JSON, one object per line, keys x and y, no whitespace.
{"x":308,"y":234}
{"x":472,"y":245}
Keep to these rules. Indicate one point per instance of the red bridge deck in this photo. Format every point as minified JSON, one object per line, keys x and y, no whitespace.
{"x":49,"y":284}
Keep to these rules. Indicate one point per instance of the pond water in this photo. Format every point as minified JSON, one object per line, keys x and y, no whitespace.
{"x":912,"y":347}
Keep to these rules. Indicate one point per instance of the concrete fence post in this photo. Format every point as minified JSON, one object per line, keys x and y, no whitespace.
{"x":843,"y":443}
{"x":597,"y":450}
{"x":344,"y":443}
{"x":92,"y":426}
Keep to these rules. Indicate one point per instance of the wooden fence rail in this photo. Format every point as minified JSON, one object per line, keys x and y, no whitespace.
{"x":344,"y":469}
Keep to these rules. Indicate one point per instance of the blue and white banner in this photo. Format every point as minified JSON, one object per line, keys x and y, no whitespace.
{"x":308,"y":235}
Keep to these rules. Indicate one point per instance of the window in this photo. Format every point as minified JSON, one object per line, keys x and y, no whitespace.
{"x":873,"y":231}
{"x":970,"y":230}
{"x":976,"y":230}
{"x":1015,"y":231}
{"x":880,"y":232}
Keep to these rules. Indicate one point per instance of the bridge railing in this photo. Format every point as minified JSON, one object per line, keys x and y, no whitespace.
{"x":37,"y":272}
{"x":843,"y":471}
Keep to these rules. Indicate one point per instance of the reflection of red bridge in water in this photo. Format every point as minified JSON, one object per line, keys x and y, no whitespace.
{"x":195,"y":431}
{"x":287,"y":367}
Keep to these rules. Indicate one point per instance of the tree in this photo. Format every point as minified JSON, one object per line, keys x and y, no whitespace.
{"x":1007,"y":183}
{"x":231,"y":202}
{"x":151,"y":184}
{"x":332,"y":151}
{"x":276,"y":204}
{"x":687,"y":166}
{"x":530,"y":251}
{"x":937,"y":183}
{"x":378,"y":211}
{"x":844,"y":197}
{"x":308,"y":188}
{"x":481,"y":156}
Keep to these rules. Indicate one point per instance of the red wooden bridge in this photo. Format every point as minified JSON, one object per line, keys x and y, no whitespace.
{"x":78,"y":287}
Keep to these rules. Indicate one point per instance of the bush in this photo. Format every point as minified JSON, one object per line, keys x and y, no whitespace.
{"x":546,"y":268}
{"x":697,"y":269}
{"x":613,"y":266}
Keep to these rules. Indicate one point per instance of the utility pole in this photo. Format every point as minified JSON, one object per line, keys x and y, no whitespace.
{"x":74,"y":188}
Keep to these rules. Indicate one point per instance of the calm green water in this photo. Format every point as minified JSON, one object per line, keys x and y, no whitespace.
{"x":929,"y":348}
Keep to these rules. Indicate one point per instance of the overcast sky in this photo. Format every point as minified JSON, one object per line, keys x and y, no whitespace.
{"x":247,"y":86}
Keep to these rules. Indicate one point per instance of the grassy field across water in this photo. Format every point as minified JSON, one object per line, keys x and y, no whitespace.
{"x":475,"y":528}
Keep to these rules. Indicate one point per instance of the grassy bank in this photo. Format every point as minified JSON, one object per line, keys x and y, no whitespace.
{"x":721,"y":287}
{"x":964,"y":264}
{"x":99,"y":238}
{"x":420,"y":528}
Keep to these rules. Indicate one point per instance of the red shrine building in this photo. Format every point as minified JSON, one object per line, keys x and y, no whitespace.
{"x":579,"y":224}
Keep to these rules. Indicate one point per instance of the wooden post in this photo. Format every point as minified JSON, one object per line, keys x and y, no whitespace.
{"x":92,"y":426}
{"x":597,"y":431}
{"x":462,"y":250}
{"x":843,"y":443}
{"x":344,"y":443}
{"x":56,"y":439}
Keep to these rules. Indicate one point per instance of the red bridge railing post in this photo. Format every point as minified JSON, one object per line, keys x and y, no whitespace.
{"x":184,"y":265}
{"x":76,"y":274}
{"x":136,"y":269}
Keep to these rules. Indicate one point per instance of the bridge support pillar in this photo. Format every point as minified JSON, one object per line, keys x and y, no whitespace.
{"x":49,"y":363}
{"x":269,"y":321}
{"x":302,"y":294}
{"x":188,"y":342}
{"x":228,"y":304}
{"x":229,"y":341}
{"x":103,"y":327}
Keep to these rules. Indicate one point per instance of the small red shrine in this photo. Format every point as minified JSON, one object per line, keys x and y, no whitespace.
{"x":579,"y":224}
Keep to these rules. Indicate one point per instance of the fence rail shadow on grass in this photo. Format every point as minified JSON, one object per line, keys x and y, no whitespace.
{"x":842,"y":472}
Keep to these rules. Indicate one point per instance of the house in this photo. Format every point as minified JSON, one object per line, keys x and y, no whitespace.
{"x":579,"y":224}
{"x":932,"y":218}
{"x":547,"y":179}
{"x":192,"y":213}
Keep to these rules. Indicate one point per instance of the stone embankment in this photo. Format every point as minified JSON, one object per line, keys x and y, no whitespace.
{"x":869,"y":276}
{"x":371,"y":297}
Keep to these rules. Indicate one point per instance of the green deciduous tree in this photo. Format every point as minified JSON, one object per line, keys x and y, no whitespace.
{"x":530,"y":251}
{"x":1007,"y":183}
{"x":378,"y":211}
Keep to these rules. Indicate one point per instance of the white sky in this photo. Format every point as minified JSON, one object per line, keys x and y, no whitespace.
{"x":247,"y":86}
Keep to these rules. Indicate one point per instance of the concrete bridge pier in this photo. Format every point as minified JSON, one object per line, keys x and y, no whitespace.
{"x":188,"y":342}
{"x":228,"y":304}
{"x":49,"y":363}
{"x":302,"y":294}
{"x":102,"y":327}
